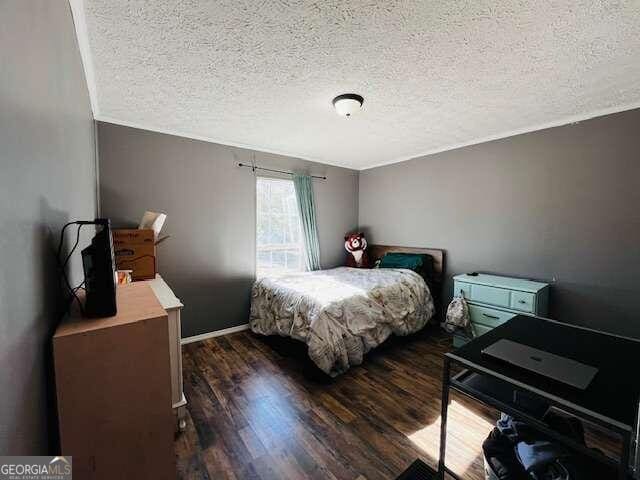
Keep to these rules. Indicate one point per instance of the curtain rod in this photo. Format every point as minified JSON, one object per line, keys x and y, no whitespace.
{"x":255,"y":167}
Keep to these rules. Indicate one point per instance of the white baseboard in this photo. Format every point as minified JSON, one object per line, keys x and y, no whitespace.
{"x":215,"y":333}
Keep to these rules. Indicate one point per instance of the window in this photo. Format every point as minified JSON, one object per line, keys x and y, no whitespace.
{"x":279,"y":247}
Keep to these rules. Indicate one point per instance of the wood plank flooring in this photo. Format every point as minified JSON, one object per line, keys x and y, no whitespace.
{"x":259,"y":409}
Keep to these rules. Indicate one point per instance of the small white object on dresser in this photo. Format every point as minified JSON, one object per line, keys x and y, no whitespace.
{"x":172,"y":306}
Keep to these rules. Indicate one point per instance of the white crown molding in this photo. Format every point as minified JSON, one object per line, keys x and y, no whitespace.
{"x":215,"y":333}
{"x":82,"y":36}
{"x":557,"y":123}
{"x":203,"y":138}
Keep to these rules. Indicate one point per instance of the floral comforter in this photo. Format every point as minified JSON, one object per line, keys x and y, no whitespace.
{"x":341,"y":313}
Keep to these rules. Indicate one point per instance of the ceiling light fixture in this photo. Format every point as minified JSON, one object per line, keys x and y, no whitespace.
{"x":348,"y":104}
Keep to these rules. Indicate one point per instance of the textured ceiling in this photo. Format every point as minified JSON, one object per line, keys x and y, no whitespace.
{"x":434,"y":74}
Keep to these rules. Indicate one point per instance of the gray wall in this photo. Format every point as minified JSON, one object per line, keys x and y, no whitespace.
{"x":47,"y":176}
{"x":560,"y":203}
{"x":209,"y":261}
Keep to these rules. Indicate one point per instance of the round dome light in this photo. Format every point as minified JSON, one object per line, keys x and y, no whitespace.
{"x":347,"y":104}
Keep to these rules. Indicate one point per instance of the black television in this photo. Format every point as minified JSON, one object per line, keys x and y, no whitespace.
{"x":99,"y":266}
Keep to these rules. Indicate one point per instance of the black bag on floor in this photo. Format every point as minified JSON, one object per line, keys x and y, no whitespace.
{"x":500,"y":459}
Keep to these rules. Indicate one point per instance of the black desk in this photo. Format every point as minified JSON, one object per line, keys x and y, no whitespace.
{"x":611,"y":400}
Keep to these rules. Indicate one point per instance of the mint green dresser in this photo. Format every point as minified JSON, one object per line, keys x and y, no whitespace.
{"x":493,"y":300}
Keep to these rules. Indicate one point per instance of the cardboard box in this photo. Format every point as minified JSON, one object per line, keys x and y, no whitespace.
{"x":135,"y":250}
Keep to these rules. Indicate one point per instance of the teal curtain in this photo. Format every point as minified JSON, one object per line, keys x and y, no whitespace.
{"x":307,"y":210}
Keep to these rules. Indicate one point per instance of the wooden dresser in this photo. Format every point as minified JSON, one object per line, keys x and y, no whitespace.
{"x":494,"y":299}
{"x":113,"y":388}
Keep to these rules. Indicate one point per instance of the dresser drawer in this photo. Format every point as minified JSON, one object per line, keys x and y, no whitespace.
{"x":491,"y":295}
{"x":462,"y":288}
{"x":460,"y":340}
{"x":523,"y":301}
{"x":489,"y":316}
{"x":479,"y":330}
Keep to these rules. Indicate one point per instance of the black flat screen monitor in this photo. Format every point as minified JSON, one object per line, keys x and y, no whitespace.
{"x":100,"y":273}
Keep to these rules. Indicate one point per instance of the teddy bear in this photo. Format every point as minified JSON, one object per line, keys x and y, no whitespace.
{"x":356,"y":245}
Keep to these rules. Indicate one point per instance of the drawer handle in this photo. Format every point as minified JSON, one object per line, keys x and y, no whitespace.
{"x":490,"y":316}
{"x":522,"y":301}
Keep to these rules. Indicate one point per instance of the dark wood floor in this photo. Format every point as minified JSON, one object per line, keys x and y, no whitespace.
{"x":258,"y":409}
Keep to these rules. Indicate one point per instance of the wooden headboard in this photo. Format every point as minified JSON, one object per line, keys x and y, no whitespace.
{"x":376,"y":252}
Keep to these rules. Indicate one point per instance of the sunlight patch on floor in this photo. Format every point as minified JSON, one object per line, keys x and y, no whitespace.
{"x":466,"y":430}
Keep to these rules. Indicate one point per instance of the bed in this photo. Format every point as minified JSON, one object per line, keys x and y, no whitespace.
{"x":342,"y":313}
